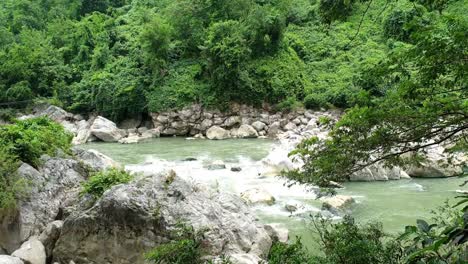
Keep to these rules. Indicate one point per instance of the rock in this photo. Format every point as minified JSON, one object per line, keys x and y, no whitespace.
{"x":218,"y":133}
{"x":95,"y":159}
{"x":257,"y":196}
{"x":440,"y":163}
{"x":56,"y":113}
{"x":189,"y":159}
{"x":377,"y":172}
{"x":274,"y":129}
{"x":245,"y":131}
{"x":4,"y":259}
{"x":50,"y":235}
{"x":217,"y":165}
{"x":277,"y":233}
{"x":199,"y":136}
{"x":290,"y":208}
{"x":232,"y":121}
{"x":259,"y":126}
{"x":205,"y":124}
{"x":337,"y":204}
{"x":131,"y":122}
{"x":31,"y":252}
{"x":142,"y":130}
{"x":106,"y":130}
{"x":136,"y":138}
{"x":53,"y":188}
{"x":462,"y":191}
{"x":244,"y":259}
{"x":82,"y":133}
{"x":290,"y":126}
{"x":133,"y":218}
{"x":333,"y":184}
{"x":236,"y":169}
{"x":276,"y":162}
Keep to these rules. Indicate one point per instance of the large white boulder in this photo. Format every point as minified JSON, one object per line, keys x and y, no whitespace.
{"x":4,"y":259}
{"x":106,"y":130}
{"x":257,"y":196}
{"x":217,"y":133}
{"x":244,"y":131}
{"x":94,"y":159}
{"x":131,"y":219}
{"x":31,"y":252}
{"x":337,"y":204}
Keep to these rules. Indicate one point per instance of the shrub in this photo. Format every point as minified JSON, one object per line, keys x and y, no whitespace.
{"x":395,"y":25}
{"x":104,"y":180}
{"x":11,"y":187}
{"x":314,"y":101}
{"x":350,"y":243}
{"x":27,"y":140}
{"x":331,"y":10}
{"x":185,"y":247}
{"x":283,"y":253}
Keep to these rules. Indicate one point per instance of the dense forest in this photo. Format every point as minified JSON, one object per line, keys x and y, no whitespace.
{"x":397,"y":67}
{"x":124,"y":57}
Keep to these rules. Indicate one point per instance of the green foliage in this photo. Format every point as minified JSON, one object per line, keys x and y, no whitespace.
{"x":422,"y":102}
{"x":348,"y":242}
{"x":331,"y":10}
{"x":284,"y":253}
{"x":185,"y":247}
{"x":101,"y":181}
{"x":11,"y":186}
{"x":396,"y":25}
{"x":27,"y":140}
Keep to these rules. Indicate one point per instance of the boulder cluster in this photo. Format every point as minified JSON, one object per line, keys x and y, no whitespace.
{"x":56,"y":223}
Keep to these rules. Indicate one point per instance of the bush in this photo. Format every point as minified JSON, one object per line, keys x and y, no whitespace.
{"x":104,"y":180}
{"x":396,"y":25}
{"x":11,"y":187}
{"x":28,"y":140}
{"x":314,"y":101}
{"x":185,"y":247}
{"x":349,"y":243}
{"x":283,"y":253}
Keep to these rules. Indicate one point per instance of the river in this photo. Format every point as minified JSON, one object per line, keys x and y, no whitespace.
{"x":394,"y":203}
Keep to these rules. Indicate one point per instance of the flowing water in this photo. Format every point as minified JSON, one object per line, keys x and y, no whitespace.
{"x":394,"y":203}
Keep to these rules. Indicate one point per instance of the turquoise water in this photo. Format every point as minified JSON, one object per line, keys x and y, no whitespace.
{"x":394,"y":203}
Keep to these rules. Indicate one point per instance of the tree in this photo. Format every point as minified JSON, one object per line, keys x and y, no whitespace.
{"x":425,"y":103}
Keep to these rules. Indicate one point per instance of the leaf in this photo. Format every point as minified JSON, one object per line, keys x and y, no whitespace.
{"x":423,"y":225}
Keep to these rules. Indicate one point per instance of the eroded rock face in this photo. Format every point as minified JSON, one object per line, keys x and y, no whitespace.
{"x":131,"y":219}
{"x":379,"y":172}
{"x":106,"y":130}
{"x":51,"y":187}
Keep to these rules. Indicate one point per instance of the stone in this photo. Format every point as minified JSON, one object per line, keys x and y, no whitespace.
{"x":56,"y":113}
{"x":274,"y":129}
{"x":142,"y":130}
{"x":439,"y":163}
{"x":4,"y":259}
{"x":337,"y":204}
{"x":205,"y":124}
{"x":378,"y":172}
{"x":199,"y":136}
{"x":216,"y":165}
{"x":106,"y":130}
{"x":31,"y":252}
{"x":257,"y":196}
{"x":244,"y":259}
{"x":277,"y":232}
{"x":131,"y":219}
{"x":290,"y":126}
{"x":162,"y":119}
{"x":236,"y":169}
{"x":290,"y":208}
{"x":232,"y":121}
{"x":50,"y":235}
{"x":217,"y":133}
{"x":259,"y":126}
{"x":131,"y":122}
{"x":245,"y":131}
{"x":82,"y":133}
{"x":94,"y":159}
{"x":53,"y":187}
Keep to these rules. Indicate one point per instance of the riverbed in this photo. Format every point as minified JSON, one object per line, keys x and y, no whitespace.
{"x":394,"y":203}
